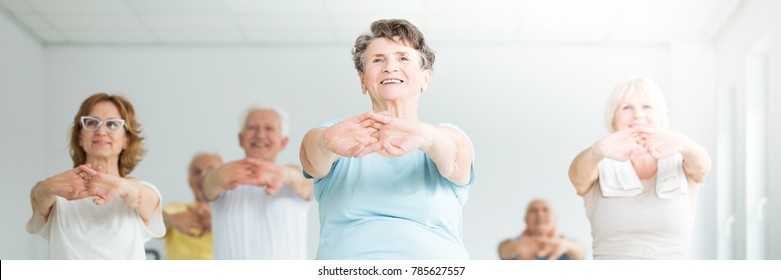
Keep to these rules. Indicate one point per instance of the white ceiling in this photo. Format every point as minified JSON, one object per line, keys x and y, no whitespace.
{"x":250,"y":22}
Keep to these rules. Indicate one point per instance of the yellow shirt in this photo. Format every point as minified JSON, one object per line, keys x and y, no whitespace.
{"x":179,"y":246}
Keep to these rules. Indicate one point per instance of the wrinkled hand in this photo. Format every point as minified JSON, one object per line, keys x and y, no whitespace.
{"x":352,"y":137}
{"x":70,"y":184}
{"x":105,"y":186}
{"x":397,"y":136}
{"x":623,"y":145}
{"x":662,"y":143}
{"x":250,"y":171}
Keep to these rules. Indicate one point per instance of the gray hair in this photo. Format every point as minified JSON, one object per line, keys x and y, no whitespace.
{"x":284,"y":122}
{"x":389,"y":29}
{"x":641,"y":85}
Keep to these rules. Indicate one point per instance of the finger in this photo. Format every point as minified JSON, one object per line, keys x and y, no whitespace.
{"x":382,"y":118}
{"x":99,"y":201}
{"x":360,"y":118}
{"x":655,"y":152}
{"x":88,"y":170}
{"x":366,"y":123}
{"x":369,"y":149}
{"x":377,"y":125}
{"x":355,"y":150}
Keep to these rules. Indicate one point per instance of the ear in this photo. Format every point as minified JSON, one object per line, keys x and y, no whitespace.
{"x":426,"y":79}
{"x":241,"y":140}
{"x":363,"y":85}
{"x":284,"y":142}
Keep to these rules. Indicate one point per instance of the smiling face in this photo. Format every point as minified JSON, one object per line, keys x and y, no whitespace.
{"x":540,"y":219}
{"x":101,"y":143}
{"x":261,"y":136}
{"x":634,"y":110}
{"x":392,"y":71}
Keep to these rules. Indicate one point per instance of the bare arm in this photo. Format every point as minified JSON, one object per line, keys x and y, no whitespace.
{"x":141,"y":198}
{"x":573,"y":249}
{"x":621,"y":146}
{"x":68,"y":184}
{"x":696,"y":161}
{"x":352,"y":137}
{"x":508,"y":250}
{"x":583,"y":170}
{"x":42,"y":199}
{"x":450,"y":150}
{"x":296,"y":181}
{"x":211,"y":185}
{"x":315,"y":157}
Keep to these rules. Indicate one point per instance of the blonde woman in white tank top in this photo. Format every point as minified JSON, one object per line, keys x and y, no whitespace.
{"x":640,"y":182}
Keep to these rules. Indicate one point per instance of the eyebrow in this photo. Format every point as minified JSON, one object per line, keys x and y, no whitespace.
{"x":397,"y":53}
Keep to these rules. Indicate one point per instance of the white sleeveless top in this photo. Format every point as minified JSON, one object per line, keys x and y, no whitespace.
{"x":652,"y":220}
{"x":247,"y":224}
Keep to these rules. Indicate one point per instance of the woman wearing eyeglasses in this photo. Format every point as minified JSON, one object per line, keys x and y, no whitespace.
{"x":95,"y":210}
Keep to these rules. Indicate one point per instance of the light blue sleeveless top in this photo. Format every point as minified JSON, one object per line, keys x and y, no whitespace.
{"x":390,"y":208}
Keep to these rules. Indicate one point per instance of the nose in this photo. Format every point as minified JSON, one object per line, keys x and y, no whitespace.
{"x":391,"y":66}
{"x":638,"y":113}
{"x":101,"y":129}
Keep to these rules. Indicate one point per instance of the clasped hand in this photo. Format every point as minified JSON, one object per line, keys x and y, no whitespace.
{"x":85,"y":181}
{"x":635,"y":142}
{"x":374,"y":133}
{"x":250,"y":171}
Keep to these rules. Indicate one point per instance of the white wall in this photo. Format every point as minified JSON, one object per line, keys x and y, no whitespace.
{"x":528,"y":109}
{"x":753,"y":21}
{"x":23,"y":109}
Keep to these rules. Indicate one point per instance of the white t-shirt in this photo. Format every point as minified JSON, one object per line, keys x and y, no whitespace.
{"x":81,"y":230}
{"x":247,"y":224}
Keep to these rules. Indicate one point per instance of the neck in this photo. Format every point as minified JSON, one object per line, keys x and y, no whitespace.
{"x":397,"y":108}
{"x":107,"y":165}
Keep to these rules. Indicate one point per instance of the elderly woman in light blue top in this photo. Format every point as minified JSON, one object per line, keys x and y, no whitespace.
{"x":390,"y":186}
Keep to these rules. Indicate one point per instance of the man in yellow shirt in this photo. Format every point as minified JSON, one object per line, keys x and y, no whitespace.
{"x":189,"y":225}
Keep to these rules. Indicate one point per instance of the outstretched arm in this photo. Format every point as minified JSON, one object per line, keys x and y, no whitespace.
{"x":296,"y":181}
{"x":321,"y":147}
{"x":450,"y":149}
{"x":621,"y":145}
{"x":139,"y":197}
{"x":70,"y":184}
{"x":664,"y":142}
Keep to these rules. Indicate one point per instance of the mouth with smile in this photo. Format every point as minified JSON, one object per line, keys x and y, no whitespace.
{"x":259,"y":144}
{"x":391,"y":81}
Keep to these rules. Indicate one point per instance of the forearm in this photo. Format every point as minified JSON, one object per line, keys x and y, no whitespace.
{"x":574,"y":250}
{"x":316,"y":158}
{"x":696,"y":161}
{"x":42,"y":199}
{"x":296,"y":181}
{"x":450,"y":150}
{"x":507,"y":250}
{"x":583,"y":170}
{"x":211,"y":185}
{"x":141,"y":198}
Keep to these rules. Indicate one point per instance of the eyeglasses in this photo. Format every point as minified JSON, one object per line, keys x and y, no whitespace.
{"x":93,"y":124}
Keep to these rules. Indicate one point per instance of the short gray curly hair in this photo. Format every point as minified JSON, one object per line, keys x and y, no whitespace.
{"x":389,"y":29}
